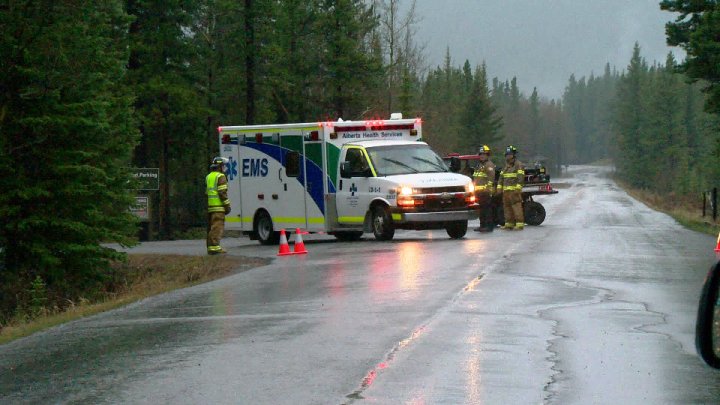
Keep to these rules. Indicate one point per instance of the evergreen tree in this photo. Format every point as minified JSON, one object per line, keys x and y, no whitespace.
{"x":534,"y":123}
{"x":629,"y":119}
{"x":514,"y":95}
{"x":480,"y":121}
{"x":294,"y":56}
{"x":170,"y":106}
{"x":67,"y":133}
{"x":348,"y":69}
{"x":697,"y":31}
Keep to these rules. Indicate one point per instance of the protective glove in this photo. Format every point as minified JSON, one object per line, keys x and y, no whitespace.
{"x":227,"y":209}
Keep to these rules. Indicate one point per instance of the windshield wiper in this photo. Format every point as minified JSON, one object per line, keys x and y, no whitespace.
{"x":399,"y":163}
{"x":430,"y":162}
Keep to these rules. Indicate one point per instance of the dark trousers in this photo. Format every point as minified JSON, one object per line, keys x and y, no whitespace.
{"x":486,"y":210}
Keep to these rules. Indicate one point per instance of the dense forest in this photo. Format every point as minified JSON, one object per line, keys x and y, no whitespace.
{"x":91,"y":89}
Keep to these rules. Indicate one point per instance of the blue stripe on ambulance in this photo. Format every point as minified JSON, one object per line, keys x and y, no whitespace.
{"x":314,"y":172}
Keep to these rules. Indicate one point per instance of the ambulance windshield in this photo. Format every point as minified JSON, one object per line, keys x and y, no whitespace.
{"x":391,"y":160}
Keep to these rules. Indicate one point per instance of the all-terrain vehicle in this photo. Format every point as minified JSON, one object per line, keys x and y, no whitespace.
{"x":537,"y":182}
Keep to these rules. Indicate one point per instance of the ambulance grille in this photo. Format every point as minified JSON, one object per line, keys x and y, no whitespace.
{"x":443,"y":199}
{"x":440,"y":190}
{"x":443,"y":205}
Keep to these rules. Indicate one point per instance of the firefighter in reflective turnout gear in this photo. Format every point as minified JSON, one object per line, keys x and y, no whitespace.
{"x":510,"y":185}
{"x":483,"y":178}
{"x":218,"y":204}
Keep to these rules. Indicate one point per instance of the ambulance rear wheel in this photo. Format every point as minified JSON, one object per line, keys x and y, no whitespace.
{"x":456,"y":229}
{"x":264,"y":229}
{"x":382,"y":225}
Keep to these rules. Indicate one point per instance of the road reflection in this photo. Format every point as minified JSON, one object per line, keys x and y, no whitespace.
{"x":223,"y":302}
{"x":335,"y":283}
{"x":398,"y":272}
{"x":410,"y":266}
{"x":474,"y":246}
{"x":474,"y":370}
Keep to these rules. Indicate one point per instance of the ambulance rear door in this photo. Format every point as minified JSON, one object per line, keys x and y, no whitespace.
{"x":313,"y":179}
{"x":229,"y":149}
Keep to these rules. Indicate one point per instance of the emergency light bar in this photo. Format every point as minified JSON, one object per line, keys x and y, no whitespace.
{"x":350,"y":129}
{"x":385,"y":127}
{"x":375,"y":126}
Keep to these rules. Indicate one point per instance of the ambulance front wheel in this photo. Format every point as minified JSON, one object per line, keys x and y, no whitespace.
{"x":456,"y":229}
{"x":382,"y":225}
{"x":264,"y":229}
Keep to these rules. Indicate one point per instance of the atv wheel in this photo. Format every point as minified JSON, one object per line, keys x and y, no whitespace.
{"x":534,"y":213}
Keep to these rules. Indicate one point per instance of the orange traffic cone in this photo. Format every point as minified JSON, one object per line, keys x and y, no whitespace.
{"x":284,"y":247}
{"x":717,"y":248}
{"x":299,"y":246}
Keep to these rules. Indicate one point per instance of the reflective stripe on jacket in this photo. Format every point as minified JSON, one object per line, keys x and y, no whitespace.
{"x":512,"y":177}
{"x":484,"y":177}
{"x":216,"y":190}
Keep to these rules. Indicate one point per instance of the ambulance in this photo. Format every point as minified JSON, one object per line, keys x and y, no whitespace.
{"x":342,"y":178}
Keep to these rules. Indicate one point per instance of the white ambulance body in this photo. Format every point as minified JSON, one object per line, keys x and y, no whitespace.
{"x":343,"y":178}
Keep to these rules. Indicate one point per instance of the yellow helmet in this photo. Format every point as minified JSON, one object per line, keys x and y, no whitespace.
{"x":484,"y":149}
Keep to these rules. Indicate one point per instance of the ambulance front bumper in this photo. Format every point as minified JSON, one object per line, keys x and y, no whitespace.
{"x":441,"y":216}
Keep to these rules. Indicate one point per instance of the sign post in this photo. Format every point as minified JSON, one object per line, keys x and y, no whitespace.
{"x":147,"y":180}
{"x":141,"y":209}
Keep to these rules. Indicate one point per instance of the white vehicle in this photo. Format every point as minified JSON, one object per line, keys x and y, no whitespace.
{"x":343,"y":178}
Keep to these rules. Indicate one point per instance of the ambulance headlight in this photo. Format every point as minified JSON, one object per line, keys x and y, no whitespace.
{"x":469,"y":187}
{"x":405,"y":190}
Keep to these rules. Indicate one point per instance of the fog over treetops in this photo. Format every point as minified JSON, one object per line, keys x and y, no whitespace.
{"x":542,"y":42}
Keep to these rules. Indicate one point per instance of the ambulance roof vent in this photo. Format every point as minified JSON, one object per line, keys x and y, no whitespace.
{"x":396,"y":116}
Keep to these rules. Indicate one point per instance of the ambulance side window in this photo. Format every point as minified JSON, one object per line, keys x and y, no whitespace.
{"x":357,"y":162}
{"x":292,"y":164}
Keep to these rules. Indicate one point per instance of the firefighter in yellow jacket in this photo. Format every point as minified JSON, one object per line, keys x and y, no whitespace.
{"x":218,"y":204}
{"x":484,"y":178}
{"x":510,"y":186}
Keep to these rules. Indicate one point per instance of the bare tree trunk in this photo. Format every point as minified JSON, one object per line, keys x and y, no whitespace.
{"x":392,"y":11}
{"x":164,"y":220}
{"x":250,"y":62}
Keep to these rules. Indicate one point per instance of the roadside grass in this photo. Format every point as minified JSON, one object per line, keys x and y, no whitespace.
{"x":197,"y":232}
{"x":687,"y":211}
{"x":141,"y":276}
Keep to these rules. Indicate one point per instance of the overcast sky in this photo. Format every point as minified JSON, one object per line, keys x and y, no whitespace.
{"x":542,"y":42}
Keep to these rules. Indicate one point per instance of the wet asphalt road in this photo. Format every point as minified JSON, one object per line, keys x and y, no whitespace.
{"x":597,"y":305}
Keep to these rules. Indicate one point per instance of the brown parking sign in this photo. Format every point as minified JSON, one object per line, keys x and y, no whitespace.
{"x":141,"y":209}
{"x":148,"y":178}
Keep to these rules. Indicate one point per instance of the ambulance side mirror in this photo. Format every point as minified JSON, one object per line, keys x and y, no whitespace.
{"x":454,"y":164}
{"x":707,"y":328}
{"x":344,"y":172}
